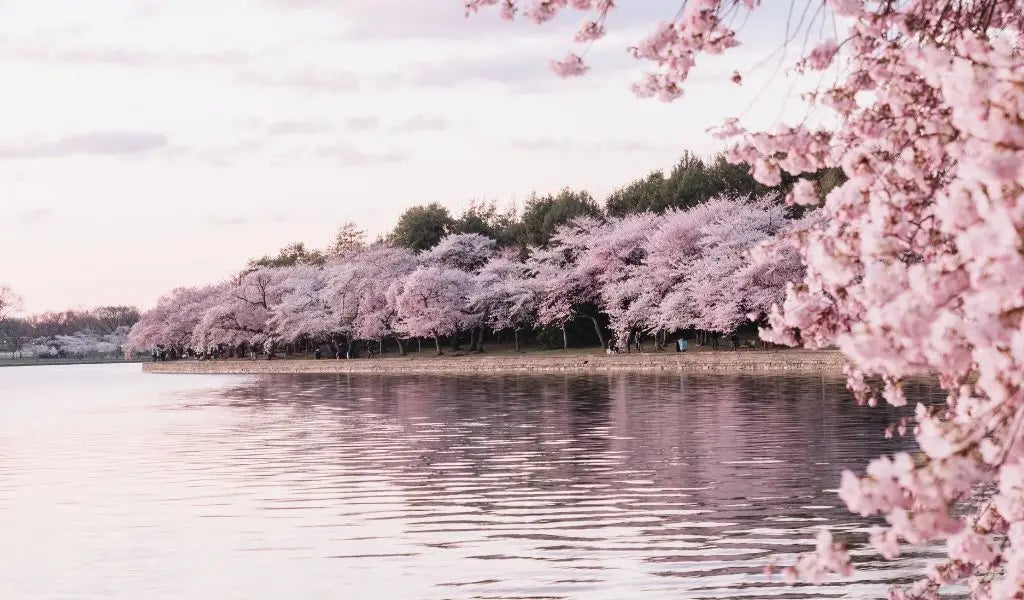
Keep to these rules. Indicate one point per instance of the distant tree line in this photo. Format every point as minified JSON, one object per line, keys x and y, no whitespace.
{"x":74,"y":332}
{"x":691,"y":182}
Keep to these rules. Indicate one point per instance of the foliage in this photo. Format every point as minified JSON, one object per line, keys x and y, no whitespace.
{"x":542,"y":215}
{"x":78,"y":345}
{"x":10,"y":303}
{"x":293,"y":254}
{"x":422,"y":227}
{"x":349,"y":240}
{"x":49,"y":328}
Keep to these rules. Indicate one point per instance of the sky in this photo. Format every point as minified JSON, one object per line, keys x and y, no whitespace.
{"x":146,"y":145}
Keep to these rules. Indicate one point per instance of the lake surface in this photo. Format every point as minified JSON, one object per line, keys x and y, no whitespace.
{"x":117,"y":484}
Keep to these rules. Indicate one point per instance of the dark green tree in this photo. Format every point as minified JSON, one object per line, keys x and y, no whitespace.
{"x":639,"y":196}
{"x":422,"y":227}
{"x":479,"y":217}
{"x":292,"y":254}
{"x":544,"y":214}
{"x":691,"y":182}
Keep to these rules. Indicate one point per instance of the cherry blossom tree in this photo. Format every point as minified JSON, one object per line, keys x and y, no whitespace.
{"x":611,"y":261}
{"x":467,"y":252}
{"x":382,"y":271}
{"x":776,"y":263}
{"x":434,"y":302}
{"x":506,"y":294}
{"x":918,"y":263}
{"x":79,"y":344}
{"x":304,"y":309}
{"x":565,"y":286}
{"x":719,"y":281}
{"x":242,"y":311}
{"x":464,"y":251}
{"x":171,"y":323}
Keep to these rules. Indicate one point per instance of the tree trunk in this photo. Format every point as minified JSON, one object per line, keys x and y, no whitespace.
{"x":401,"y":347}
{"x":419,"y":345}
{"x":597,"y":329}
{"x":515,"y":334}
{"x":565,"y":338}
{"x":437,"y":345}
{"x":472,"y":340}
{"x":480,"y":339}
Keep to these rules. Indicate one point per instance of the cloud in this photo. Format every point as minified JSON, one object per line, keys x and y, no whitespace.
{"x":298,"y":128}
{"x":447,"y":19}
{"x":354,"y":157}
{"x":230,"y":221}
{"x":34,"y":215}
{"x":103,"y":143}
{"x":307,"y":80}
{"x":518,"y":71}
{"x":246,"y":221}
{"x":423,"y":123}
{"x":567,"y":145}
{"x":54,"y":47}
{"x":522,"y":68}
{"x":362,"y":123}
{"x":389,"y":19}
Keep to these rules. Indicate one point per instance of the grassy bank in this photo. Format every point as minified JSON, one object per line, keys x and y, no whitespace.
{"x":537,"y":361}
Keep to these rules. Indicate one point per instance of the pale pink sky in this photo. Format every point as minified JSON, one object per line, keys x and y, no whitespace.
{"x":150,"y":144}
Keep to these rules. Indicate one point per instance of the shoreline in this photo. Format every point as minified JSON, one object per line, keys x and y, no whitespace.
{"x":742,"y":361}
{"x":48,"y":362}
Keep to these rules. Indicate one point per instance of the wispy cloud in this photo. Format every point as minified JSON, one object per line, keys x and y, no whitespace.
{"x":305,"y":80}
{"x":229,"y":221}
{"x":519,"y":71}
{"x":107,"y":143}
{"x":34,"y":215}
{"x":423,"y":123}
{"x":354,"y":157}
{"x":568,"y":145}
{"x":362,"y":123}
{"x":298,"y":128}
{"x":54,"y":48}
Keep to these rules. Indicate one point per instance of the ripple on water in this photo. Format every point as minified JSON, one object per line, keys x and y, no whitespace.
{"x":119,"y":485}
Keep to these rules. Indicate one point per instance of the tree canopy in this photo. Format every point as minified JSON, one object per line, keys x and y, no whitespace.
{"x":422,"y":227}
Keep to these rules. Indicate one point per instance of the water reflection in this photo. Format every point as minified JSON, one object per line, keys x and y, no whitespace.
{"x":599,"y":486}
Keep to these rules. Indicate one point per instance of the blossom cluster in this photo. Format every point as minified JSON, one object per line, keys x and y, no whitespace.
{"x":79,"y":344}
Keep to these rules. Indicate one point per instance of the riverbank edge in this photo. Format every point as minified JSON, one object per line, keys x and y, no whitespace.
{"x":754,"y":361}
{"x":19,"y":362}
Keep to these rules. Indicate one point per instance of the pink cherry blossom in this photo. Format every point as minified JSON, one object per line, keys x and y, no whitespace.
{"x":570,"y":66}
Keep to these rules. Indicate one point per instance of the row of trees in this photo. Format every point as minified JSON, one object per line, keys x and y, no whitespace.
{"x":639,"y":275}
{"x":75,"y":332}
{"x":692,"y":181}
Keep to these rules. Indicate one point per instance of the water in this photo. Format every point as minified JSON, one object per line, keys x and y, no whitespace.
{"x":117,"y":484}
